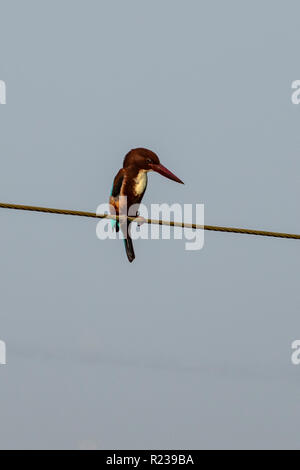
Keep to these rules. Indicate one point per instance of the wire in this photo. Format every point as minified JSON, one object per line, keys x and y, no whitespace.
{"x":214,"y":228}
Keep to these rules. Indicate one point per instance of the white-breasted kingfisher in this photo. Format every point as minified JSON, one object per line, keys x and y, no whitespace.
{"x":131,"y":181}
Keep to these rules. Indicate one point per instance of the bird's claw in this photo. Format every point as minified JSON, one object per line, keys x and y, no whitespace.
{"x":140,"y":220}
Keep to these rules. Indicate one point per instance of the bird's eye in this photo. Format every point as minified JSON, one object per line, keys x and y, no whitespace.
{"x":149,"y":160}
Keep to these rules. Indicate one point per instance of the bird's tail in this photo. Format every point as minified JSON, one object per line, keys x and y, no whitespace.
{"x":129,"y":249}
{"x":127,"y":240}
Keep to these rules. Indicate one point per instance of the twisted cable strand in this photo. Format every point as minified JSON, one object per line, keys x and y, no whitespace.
{"x":214,"y":228}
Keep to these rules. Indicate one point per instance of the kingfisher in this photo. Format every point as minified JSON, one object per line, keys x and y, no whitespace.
{"x":131,"y":181}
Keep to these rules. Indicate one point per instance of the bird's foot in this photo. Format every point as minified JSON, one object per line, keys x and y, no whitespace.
{"x":140,"y":220}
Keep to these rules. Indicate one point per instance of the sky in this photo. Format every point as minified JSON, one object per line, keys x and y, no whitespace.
{"x":180,"y":349}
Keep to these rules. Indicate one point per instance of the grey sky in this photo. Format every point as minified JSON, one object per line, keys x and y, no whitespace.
{"x":180,"y":349}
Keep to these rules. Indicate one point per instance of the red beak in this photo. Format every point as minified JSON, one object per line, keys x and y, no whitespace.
{"x":165,"y":172}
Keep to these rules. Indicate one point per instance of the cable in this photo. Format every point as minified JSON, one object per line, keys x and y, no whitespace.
{"x":215,"y":228}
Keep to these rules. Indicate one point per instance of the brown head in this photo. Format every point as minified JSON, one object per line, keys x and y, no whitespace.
{"x":147,"y":160}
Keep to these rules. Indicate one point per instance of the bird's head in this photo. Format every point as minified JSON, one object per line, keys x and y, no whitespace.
{"x":147,"y":160}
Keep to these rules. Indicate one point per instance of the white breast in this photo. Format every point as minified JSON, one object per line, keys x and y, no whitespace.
{"x":140,"y":182}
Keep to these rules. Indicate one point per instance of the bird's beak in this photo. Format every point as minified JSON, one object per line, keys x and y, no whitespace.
{"x":165,"y":172}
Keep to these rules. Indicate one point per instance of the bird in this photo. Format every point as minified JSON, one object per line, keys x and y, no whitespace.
{"x":131,"y":181}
